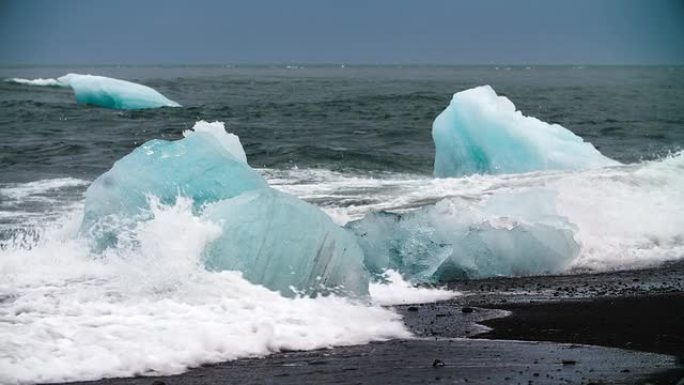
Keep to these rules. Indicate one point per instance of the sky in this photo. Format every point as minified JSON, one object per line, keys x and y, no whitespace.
{"x":349,"y":32}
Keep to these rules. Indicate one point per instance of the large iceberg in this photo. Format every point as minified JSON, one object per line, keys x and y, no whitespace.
{"x":208,"y":165}
{"x":273,"y":238}
{"x":510,"y":234}
{"x":105,"y":92}
{"x":481,"y":132}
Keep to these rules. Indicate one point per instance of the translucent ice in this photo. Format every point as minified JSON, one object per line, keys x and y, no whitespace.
{"x":509,"y":235}
{"x":282,"y":242}
{"x":273,"y":238}
{"x":207,"y":165}
{"x":114,"y":93}
{"x":481,"y":132}
{"x":105,"y":92}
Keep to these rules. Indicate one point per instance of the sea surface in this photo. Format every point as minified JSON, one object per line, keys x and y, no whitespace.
{"x":351,"y":119}
{"x":349,"y":139}
{"x":299,"y":123}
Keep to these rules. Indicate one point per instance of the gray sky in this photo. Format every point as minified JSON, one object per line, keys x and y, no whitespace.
{"x":350,"y":31}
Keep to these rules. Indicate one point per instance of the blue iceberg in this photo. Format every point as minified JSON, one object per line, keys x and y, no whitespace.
{"x":208,"y":165}
{"x":273,"y":238}
{"x":114,"y":93}
{"x":105,"y":92}
{"x":509,"y":235}
{"x":285,"y":244}
{"x":481,"y":132}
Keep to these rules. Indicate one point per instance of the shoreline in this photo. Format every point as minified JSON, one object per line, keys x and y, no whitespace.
{"x":647,"y":323}
{"x":421,"y":361}
{"x":477,"y":338}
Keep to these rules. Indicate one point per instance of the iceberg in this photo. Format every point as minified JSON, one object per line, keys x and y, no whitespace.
{"x":114,"y":93}
{"x":285,"y":244}
{"x":105,"y":92}
{"x":208,"y":165}
{"x":481,"y":132}
{"x":274,"y":239}
{"x":511,"y":234}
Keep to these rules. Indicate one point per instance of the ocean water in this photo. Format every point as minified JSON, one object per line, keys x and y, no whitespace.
{"x":350,"y":140}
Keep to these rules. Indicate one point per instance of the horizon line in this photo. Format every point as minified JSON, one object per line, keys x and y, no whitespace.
{"x":338,"y":64}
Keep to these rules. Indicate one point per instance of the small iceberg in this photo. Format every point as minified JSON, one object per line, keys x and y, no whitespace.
{"x":482,"y":133}
{"x":272,"y":238}
{"x":510,"y":234}
{"x":105,"y":92}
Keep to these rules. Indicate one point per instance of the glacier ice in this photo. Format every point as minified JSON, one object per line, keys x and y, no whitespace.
{"x":207,"y":165}
{"x":282,"y":242}
{"x":481,"y":132}
{"x":511,"y":234}
{"x":273,"y":238}
{"x":114,"y":93}
{"x":105,"y":92}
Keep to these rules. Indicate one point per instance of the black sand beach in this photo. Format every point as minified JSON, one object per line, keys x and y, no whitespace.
{"x":609,"y":328}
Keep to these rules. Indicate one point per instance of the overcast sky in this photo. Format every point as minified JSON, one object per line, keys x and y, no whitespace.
{"x":349,"y":31}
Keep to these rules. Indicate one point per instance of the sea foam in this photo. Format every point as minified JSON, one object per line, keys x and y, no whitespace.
{"x":71,"y":314}
{"x":149,"y":307}
{"x":621,"y":217}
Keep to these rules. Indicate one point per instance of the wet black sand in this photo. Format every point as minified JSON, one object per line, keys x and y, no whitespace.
{"x":630,"y":321}
{"x":431,"y":361}
{"x":650,"y":323}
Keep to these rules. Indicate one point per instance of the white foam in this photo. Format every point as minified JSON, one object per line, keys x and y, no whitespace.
{"x":44,"y":188}
{"x":28,"y":207}
{"x":149,"y":307}
{"x":627,"y":216}
{"x":349,"y":196}
{"x":47,"y":82}
{"x":397,"y":291}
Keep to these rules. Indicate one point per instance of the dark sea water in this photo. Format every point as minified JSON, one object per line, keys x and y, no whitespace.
{"x":365,"y":118}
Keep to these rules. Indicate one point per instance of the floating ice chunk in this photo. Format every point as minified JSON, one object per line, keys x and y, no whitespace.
{"x":481,"y":132}
{"x":510,"y":235}
{"x":285,"y":244}
{"x":206,"y":166}
{"x":114,"y":93}
{"x":105,"y":92}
